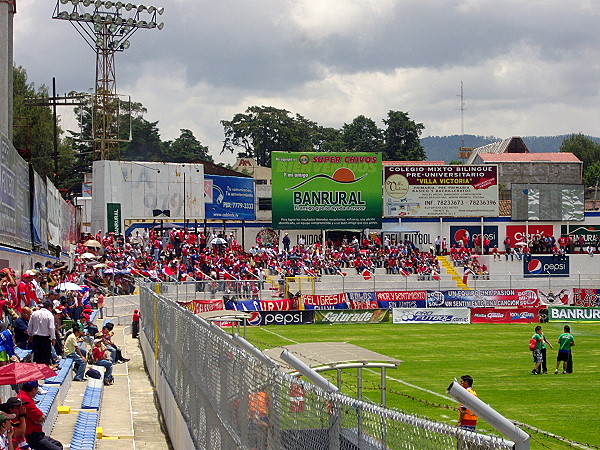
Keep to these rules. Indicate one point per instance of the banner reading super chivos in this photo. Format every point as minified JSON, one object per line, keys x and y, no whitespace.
{"x":326,"y":190}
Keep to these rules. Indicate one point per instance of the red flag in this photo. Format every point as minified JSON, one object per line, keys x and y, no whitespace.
{"x":366,"y":274}
{"x":435,"y":276}
{"x":467,"y":271}
{"x":168,"y":271}
{"x":403,"y":272}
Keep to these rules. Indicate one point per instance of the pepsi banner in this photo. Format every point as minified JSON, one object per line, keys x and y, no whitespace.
{"x":467,"y":234}
{"x":229,"y":197}
{"x":352,"y":316}
{"x":497,"y":315}
{"x":573,"y":314}
{"x":544,"y":265}
{"x":483,"y":298}
{"x":263,"y":318}
{"x":586,"y":297}
{"x":443,"y":315}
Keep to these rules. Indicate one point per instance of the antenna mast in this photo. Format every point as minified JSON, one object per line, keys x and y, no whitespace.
{"x":463,"y":152}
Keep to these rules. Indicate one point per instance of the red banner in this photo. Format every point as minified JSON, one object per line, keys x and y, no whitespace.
{"x":324,"y":300}
{"x":363,"y":304}
{"x":587,"y":298}
{"x":497,"y":315}
{"x":276,"y":305}
{"x":518,"y":233}
{"x":400,"y":296}
{"x":198,"y":306}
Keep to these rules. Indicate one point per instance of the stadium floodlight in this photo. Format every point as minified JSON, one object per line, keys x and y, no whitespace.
{"x":107,"y":26}
{"x":160,"y":11}
{"x":160,"y":25}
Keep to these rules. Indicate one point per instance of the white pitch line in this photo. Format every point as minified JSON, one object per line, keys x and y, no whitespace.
{"x":373,"y":371}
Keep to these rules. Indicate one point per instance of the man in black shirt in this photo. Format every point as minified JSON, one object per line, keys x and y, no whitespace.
{"x":21,"y":336}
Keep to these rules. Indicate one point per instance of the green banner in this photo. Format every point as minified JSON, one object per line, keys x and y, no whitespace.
{"x":573,"y":314}
{"x":352,"y":315}
{"x":113,"y":217}
{"x":590,"y":233}
{"x":326,"y":190}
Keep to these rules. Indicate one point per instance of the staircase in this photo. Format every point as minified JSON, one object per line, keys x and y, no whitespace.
{"x":450,"y":270}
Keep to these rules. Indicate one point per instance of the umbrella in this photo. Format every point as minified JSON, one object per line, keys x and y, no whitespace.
{"x":99,"y":266}
{"x":218,"y":241}
{"x":19,"y":372}
{"x":92,"y":243}
{"x":521,"y":244}
{"x":88,"y":255}
{"x":68,"y":286}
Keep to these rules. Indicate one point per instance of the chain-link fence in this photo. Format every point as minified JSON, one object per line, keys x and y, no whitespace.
{"x":231,"y":400}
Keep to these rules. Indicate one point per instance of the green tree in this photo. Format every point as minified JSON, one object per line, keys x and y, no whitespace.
{"x":402,"y":138}
{"x":33,"y":133}
{"x":587,"y":151}
{"x":186,"y":148}
{"x":264,"y":129}
{"x":362,"y":135}
{"x":329,"y":140}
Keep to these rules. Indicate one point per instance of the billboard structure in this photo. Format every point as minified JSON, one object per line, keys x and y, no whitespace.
{"x":229,"y":197}
{"x":438,"y":191}
{"x":547,"y":202}
{"x":326,"y":190}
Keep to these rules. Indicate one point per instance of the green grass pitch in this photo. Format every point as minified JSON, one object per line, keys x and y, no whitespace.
{"x":495,"y":355}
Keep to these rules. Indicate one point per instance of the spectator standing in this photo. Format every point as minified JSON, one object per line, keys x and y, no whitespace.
{"x":101,"y":305}
{"x":135,"y":324}
{"x":286,"y":243}
{"x":34,"y":418}
{"x":466,"y":419}
{"x":41,"y":331}
{"x":565,"y":342}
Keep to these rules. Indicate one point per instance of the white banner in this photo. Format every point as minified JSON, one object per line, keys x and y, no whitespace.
{"x":431,"y":315}
{"x":440,"y":191}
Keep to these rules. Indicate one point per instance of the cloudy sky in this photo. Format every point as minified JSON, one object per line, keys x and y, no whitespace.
{"x":528,"y":68}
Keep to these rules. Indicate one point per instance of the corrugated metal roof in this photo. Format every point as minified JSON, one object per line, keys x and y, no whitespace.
{"x":528,"y":157}
{"x":513,"y":145}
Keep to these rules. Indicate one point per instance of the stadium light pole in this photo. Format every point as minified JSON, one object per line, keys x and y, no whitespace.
{"x":106,"y":27}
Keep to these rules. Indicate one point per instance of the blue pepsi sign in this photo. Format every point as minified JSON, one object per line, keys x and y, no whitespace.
{"x":545,"y":265}
{"x":467,"y":234}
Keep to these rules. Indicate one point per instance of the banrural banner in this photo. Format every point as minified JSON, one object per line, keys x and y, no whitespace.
{"x":483,"y":298}
{"x":326,"y":190}
{"x":573,"y":314}
{"x":352,"y":316}
{"x":229,"y":197}
{"x":433,"y":315}
{"x":497,"y":315}
{"x":438,"y":191}
{"x":590,"y":233}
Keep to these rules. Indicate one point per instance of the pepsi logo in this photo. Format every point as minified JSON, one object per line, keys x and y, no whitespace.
{"x":255,"y":318}
{"x":534,"y":266}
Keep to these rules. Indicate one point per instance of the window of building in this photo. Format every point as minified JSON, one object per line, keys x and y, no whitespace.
{"x":260,"y":181}
{"x":264,"y":204}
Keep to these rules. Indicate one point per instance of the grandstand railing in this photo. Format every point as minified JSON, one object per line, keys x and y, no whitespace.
{"x":229,"y":399}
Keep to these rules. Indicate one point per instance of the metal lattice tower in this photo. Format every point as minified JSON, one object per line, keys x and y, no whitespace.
{"x":106,"y":26}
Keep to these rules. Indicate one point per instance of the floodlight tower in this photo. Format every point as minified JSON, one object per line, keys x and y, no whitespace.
{"x":106,"y":27}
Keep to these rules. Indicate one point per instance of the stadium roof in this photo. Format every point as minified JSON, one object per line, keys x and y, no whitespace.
{"x":561,"y":157}
{"x":329,"y":355}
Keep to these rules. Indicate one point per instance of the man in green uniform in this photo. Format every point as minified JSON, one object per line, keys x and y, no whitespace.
{"x":537,"y":353}
{"x":565,"y":342}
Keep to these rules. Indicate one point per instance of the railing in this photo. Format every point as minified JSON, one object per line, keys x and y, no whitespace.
{"x":230,"y":399}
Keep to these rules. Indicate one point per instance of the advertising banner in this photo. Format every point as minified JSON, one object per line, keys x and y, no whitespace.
{"x":284,"y":304}
{"x":198,"y":306}
{"x":438,"y":191}
{"x":518,"y":233}
{"x":15,"y":216}
{"x":54,"y":213}
{"x":260,"y":318}
{"x":546,"y":265}
{"x":39,"y":219}
{"x":113,"y":217}
{"x":589,"y":298}
{"x":498,"y":315}
{"x":401,"y":299}
{"x":352,"y":316}
{"x":362,"y":300}
{"x":560,"y":298}
{"x":467,"y":234}
{"x":480,"y":298}
{"x":230,"y":197}
{"x":573,"y":314}
{"x":333,"y":301}
{"x":243,"y":305}
{"x":590,"y":233}
{"x":326,"y":190}
{"x":442,"y":315}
